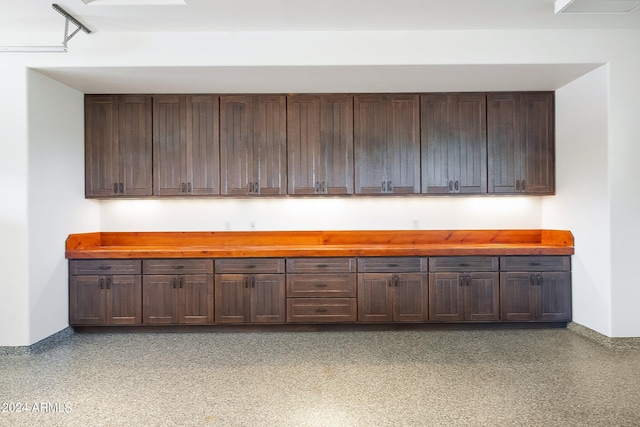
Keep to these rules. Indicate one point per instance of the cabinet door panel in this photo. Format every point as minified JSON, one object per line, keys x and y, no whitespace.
{"x":410,"y":300}
{"x":481,"y":297}
{"x":375,"y":303}
{"x":321,"y":285}
{"x":102,"y":168}
{"x":203,"y":137}
{"x":370,"y":145}
{"x":169,"y":145}
{"x":321,"y":310}
{"x":86,"y":302}
{"x":196,"y":299}
{"x":303,"y":144}
{"x":236,"y":144}
{"x":517,"y":297}
{"x":403,"y":144}
{"x":159,"y":296}
{"x":538,"y":144}
{"x":270,"y":145}
{"x":135,"y":145}
{"x":555,"y":297}
{"x":504,"y":140}
{"x":232,"y":298}
{"x":124,"y":300}
{"x":437,"y":142}
{"x":446,"y":297}
{"x":336,"y":144}
{"x":268,"y":301}
{"x":470,"y":132}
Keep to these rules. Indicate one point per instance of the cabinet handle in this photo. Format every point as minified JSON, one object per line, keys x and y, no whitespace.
{"x":246,"y":282}
{"x":184,"y":187}
{"x":389,"y":281}
{"x":317,"y":186}
{"x":189,"y":187}
{"x":322,"y":266}
{"x":450,"y":185}
{"x":321,"y":310}
{"x":539,"y":280}
{"x":322,"y":187}
{"x":392,"y":265}
{"x":523,"y":186}
{"x":384,"y":186}
{"x":321,"y":285}
{"x":251,"y":266}
{"x":105,"y":267}
{"x":457,"y":185}
{"x":178,"y":267}
{"x":463,"y":264}
{"x":174,"y":283}
{"x":532,"y":280}
{"x":256,"y":187}
{"x":462,"y":280}
{"x":251,"y":187}
{"x":101,"y":283}
{"x":122,"y":188}
{"x":108,"y":282}
{"x":115,"y":187}
{"x":395,"y":281}
{"x":389,"y":186}
{"x":181,"y":282}
{"x":468,"y":280}
{"x":518,"y":185}
{"x":253,"y":281}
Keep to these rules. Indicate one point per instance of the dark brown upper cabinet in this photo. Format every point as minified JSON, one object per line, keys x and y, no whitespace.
{"x":117,"y":146}
{"x":253,"y":142}
{"x":186,"y":147}
{"x":454,"y":143}
{"x":320,"y":144}
{"x":520,"y":137}
{"x":387,"y":144}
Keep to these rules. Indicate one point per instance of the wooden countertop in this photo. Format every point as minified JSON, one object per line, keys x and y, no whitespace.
{"x":270,"y":244}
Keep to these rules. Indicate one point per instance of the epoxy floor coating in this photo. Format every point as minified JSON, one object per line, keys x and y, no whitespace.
{"x":550,"y":377}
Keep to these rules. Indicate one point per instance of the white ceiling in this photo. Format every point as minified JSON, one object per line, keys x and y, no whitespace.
{"x":295,"y":15}
{"x":292,"y":15}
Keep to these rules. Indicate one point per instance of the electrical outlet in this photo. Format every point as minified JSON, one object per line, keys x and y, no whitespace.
{"x":227,"y":225}
{"x":416,"y":224}
{"x":252,"y":225}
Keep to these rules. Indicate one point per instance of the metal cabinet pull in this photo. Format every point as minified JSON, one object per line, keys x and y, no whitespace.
{"x":532,"y":280}
{"x":256,"y":187}
{"x":115,"y":187}
{"x":321,"y":310}
{"x":321,"y":285}
{"x":384,"y":186}
{"x":101,"y":283}
{"x":189,"y":187}
{"x":539,"y":280}
{"x":174,"y":283}
{"x":450,"y":185}
{"x":461,"y":280}
{"x":108,"y":282}
{"x":105,"y":267}
{"x":181,"y":282}
{"x":457,"y":185}
{"x":523,"y":186}
{"x":518,"y":185}
{"x":395,"y":281}
{"x":122,"y":188}
{"x":322,"y":187}
{"x":246,"y":282}
{"x":251,"y":187}
{"x":317,"y":186}
{"x":253,"y":281}
{"x":389,"y":186}
{"x":184,"y":187}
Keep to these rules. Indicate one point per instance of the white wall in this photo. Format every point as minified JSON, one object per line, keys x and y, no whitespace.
{"x":615,"y":162}
{"x":14,"y":316}
{"x":56,"y":205}
{"x":582,"y":198}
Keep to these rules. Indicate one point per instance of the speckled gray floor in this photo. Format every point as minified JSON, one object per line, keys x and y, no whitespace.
{"x":391,"y":378}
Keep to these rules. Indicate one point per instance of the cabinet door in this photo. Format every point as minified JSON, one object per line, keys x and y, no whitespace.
{"x":236,"y":144}
{"x":470,"y":134}
{"x":135,"y":145}
{"x":517,"y":296}
{"x":481,"y":296}
{"x":123,"y":300}
{"x":170,"y":146}
{"x":203,"y":145}
{"x":268,"y":302}
{"x":504,"y":142}
{"x":375,"y":300}
{"x":410,"y":297}
{"x":446,"y":297}
{"x":554,"y":293}
{"x":86,"y":302}
{"x":438,"y":145}
{"x":232,"y":298}
{"x":196,"y":299}
{"x":270,"y":145}
{"x":159,"y":299}
{"x":370,"y":145}
{"x":403,"y":144}
{"x":102,"y":169}
{"x":320,"y":144}
{"x":538,"y":159}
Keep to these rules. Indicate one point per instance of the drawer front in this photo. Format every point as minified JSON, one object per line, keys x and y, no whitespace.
{"x":249,"y":265}
{"x":535,"y":263}
{"x":321,"y":265}
{"x":463,"y":263}
{"x":104,"y":266}
{"x":177,"y":266}
{"x":322,"y":285}
{"x":321,"y":310}
{"x":392,"y":265}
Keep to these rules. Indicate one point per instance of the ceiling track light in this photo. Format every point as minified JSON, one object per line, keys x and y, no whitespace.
{"x":45,"y":49}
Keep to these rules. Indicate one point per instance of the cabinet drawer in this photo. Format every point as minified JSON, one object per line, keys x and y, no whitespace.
{"x":177,"y":266}
{"x":249,"y":265}
{"x":463,"y":263}
{"x":392,"y":265}
{"x":104,"y":266}
{"x":535,"y":263}
{"x":321,"y":310}
{"x":321,"y":265}
{"x":321,"y":285}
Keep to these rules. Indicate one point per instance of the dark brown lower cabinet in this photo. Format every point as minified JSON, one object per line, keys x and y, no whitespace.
{"x":250,"y":298}
{"x":170,"y":299}
{"x":536,"y":296}
{"x":456,"y":297}
{"x":105,"y":300}
{"x":392,"y":297}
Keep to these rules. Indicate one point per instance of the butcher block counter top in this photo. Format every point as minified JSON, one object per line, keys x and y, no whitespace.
{"x":271,"y":244}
